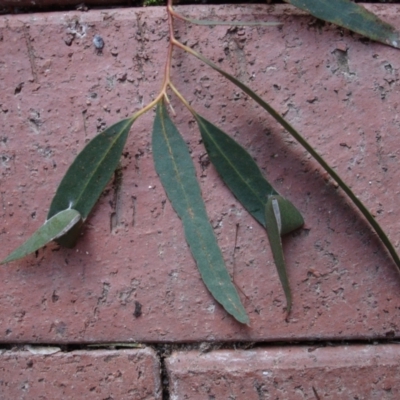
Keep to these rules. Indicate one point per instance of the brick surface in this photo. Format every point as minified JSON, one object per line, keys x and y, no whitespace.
{"x":131,"y":276}
{"x":57,"y":3}
{"x":288,"y":373}
{"x":99,"y":374}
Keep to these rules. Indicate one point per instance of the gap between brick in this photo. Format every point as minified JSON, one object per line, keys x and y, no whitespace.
{"x":164,"y":350}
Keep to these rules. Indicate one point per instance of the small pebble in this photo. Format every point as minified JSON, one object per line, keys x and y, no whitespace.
{"x":98,"y":42}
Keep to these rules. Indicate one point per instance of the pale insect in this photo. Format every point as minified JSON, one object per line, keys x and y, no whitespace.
{"x":98,"y":42}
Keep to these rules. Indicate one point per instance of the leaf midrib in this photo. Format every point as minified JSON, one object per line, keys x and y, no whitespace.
{"x":192,"y":214}
{"x":232,"y":165}
{"x":86,"y":184}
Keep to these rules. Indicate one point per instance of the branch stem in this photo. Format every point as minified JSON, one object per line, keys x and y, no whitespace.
{"x":356,"y":201}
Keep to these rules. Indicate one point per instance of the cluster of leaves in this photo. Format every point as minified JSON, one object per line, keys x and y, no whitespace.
{"x":94,"y":166}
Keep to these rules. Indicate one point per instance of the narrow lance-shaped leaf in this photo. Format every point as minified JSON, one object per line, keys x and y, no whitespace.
{"x":88,"y":175}
{"x":91,"y":170}
{"x":358,"y":203}
{"x":237,"y":169}
{"x":177,"y":174}
{"x":352,"y":16}
{"x":71,"y":236}
{"x":281,"y":217}
{"x":242,"y":175}
{"x":79,"y":190}
{"x":52,"y":229}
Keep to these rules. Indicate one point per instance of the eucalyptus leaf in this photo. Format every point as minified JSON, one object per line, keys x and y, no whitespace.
{"x":352,"y":16}
{"x":281,"y":218}
{"x":274,"y":236}
{"x":291,"y":219}
{"x":177,"y":174}
{"x":53,"y":228}
{"x":237,"y":169}
{"x":358,"y":203}
{"x":241,"y":174}
{"x":91,"y":171}
{"x":69,"y":238}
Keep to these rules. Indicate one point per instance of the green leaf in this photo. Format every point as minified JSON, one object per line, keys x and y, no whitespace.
{"x":352,"y":16}
{"x":358,"y":203}
{"x":291,"y":219}
{"x":176,"y":170}
{"x":70,"y":238}
{"x":91,"y":170}
{"x":237,"y":169}
{"x":242,"y":175}
{"x":273,"y":220}
{"x":53,"y":228}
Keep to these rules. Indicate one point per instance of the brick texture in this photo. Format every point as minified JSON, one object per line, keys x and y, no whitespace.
{"x":99,"y":374}
{"x":131,"y":277}
{"x":37,"y":4}
{"x":287,"y":373}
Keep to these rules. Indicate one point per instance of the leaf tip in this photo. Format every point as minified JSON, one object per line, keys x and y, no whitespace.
{"x":393,"y":40}
{"x":288,"y":307}
{"x":242,"y":317}
{"x":245,"y":321}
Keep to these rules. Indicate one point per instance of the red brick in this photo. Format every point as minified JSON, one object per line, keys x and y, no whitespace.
{"x":36,"y":4}
{"x":58,"y":91}
{"x":287,"y":373}
{"x":99,"y":374}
